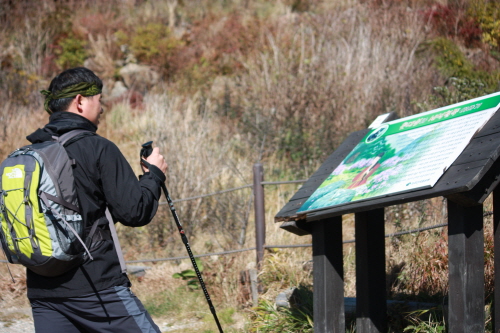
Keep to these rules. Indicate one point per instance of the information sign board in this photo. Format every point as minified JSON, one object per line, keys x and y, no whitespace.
{"x":405,"y":154}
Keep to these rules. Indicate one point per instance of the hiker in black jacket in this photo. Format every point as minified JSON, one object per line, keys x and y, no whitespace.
{"x":94,"y":297}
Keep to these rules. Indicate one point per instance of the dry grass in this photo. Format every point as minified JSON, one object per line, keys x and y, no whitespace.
{"x":13,"y":293}
{"x":255,"y":81}
{"x":16,"y":124}
{"x":320,"y":77}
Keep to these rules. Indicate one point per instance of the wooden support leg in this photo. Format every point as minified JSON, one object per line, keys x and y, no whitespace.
{"x":328,"y":278}
{"x":496,"y":251}
{"x":371,"y":303}
{"x":466,"y":268}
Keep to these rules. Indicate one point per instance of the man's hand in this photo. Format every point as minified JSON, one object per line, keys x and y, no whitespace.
{"x":157,"y":160}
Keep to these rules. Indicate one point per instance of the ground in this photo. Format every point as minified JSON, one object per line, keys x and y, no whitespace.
{"x":19,"y":320}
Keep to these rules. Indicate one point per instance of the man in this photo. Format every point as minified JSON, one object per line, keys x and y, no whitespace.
{"x":94,"y":297}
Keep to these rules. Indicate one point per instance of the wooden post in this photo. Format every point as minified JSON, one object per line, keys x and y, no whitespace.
{"x":466,"y":268}
{"x":496,"y":251}
{"x":371,"y":303}
{"x":328,"y":276}
{"x":260,"y":221}
{"x":254,"y":286}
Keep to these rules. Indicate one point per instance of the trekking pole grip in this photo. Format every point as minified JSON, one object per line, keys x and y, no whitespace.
{"x":147,"y":149}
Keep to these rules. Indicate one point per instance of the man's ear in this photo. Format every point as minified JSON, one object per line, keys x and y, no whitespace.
{"x":79,"y":102}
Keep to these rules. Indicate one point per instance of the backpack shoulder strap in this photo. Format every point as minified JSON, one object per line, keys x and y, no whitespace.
{"x":114,"y":235}
{"x":72,"y":136}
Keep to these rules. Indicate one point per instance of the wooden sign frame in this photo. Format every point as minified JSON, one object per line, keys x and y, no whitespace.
{"x":466,"y":184}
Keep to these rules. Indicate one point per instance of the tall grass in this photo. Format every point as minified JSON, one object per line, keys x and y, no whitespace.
{"x":320,"y":77}
{"x":282,"y":83}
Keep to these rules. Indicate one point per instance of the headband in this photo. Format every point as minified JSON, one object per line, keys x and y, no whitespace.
{"x":85,"y":89}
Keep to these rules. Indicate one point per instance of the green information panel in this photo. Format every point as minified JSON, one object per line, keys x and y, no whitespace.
{"x":405,"y":154}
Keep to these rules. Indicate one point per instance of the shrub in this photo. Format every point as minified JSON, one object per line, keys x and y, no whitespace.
{"x":152,"y":44}
{"x":452,"y":62}
{"x":457,"y":90}
{"x":487,"y":14}
{"x":70,"y":51}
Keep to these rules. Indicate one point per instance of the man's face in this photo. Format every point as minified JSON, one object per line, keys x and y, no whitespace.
{"x":92,"y":108}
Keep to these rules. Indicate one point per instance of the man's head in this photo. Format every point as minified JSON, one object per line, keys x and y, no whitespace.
{"x":75,"y":90}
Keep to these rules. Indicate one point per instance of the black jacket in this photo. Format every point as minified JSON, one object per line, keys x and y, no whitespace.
{"x":102,"y":177}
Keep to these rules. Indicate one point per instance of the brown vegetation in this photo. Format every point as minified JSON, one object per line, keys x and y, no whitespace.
{"x":244,"y":81}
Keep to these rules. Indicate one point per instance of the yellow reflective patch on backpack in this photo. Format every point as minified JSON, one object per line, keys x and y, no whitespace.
{"x":17,"y":201}
{"x":13,"y":183}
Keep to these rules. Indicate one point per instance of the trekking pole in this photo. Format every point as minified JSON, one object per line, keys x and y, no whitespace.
{"x":146,"y":150}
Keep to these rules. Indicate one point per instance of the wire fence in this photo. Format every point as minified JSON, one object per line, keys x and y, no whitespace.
{"x":396,"y":234}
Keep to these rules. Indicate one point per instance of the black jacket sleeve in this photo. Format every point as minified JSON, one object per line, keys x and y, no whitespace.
{"x":131,"y":201}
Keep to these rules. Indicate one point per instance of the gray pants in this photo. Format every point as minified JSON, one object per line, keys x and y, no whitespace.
{"x":115,"y":309}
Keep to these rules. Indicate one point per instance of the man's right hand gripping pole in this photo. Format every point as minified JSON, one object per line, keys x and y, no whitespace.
{"x":151,"y":157}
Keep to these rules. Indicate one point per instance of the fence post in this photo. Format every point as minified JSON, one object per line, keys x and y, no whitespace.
{"x":260,"y":222}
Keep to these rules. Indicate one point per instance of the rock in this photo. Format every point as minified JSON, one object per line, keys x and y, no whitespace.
{"x":283,"y":300}
{"x":119,"y":94}
{"x":139,"y":77}
{"x":118,"y":90}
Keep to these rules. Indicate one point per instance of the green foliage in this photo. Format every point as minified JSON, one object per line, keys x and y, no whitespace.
{"x":458,"y":90}
{"x":190,"y":276}
{"x":451,"y":62}
{"x":431,"y":325}
{"x":152,"y":44}
{"x":487,"y":14}
{"x":70,"y":52}
{"x":455,"y":90}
